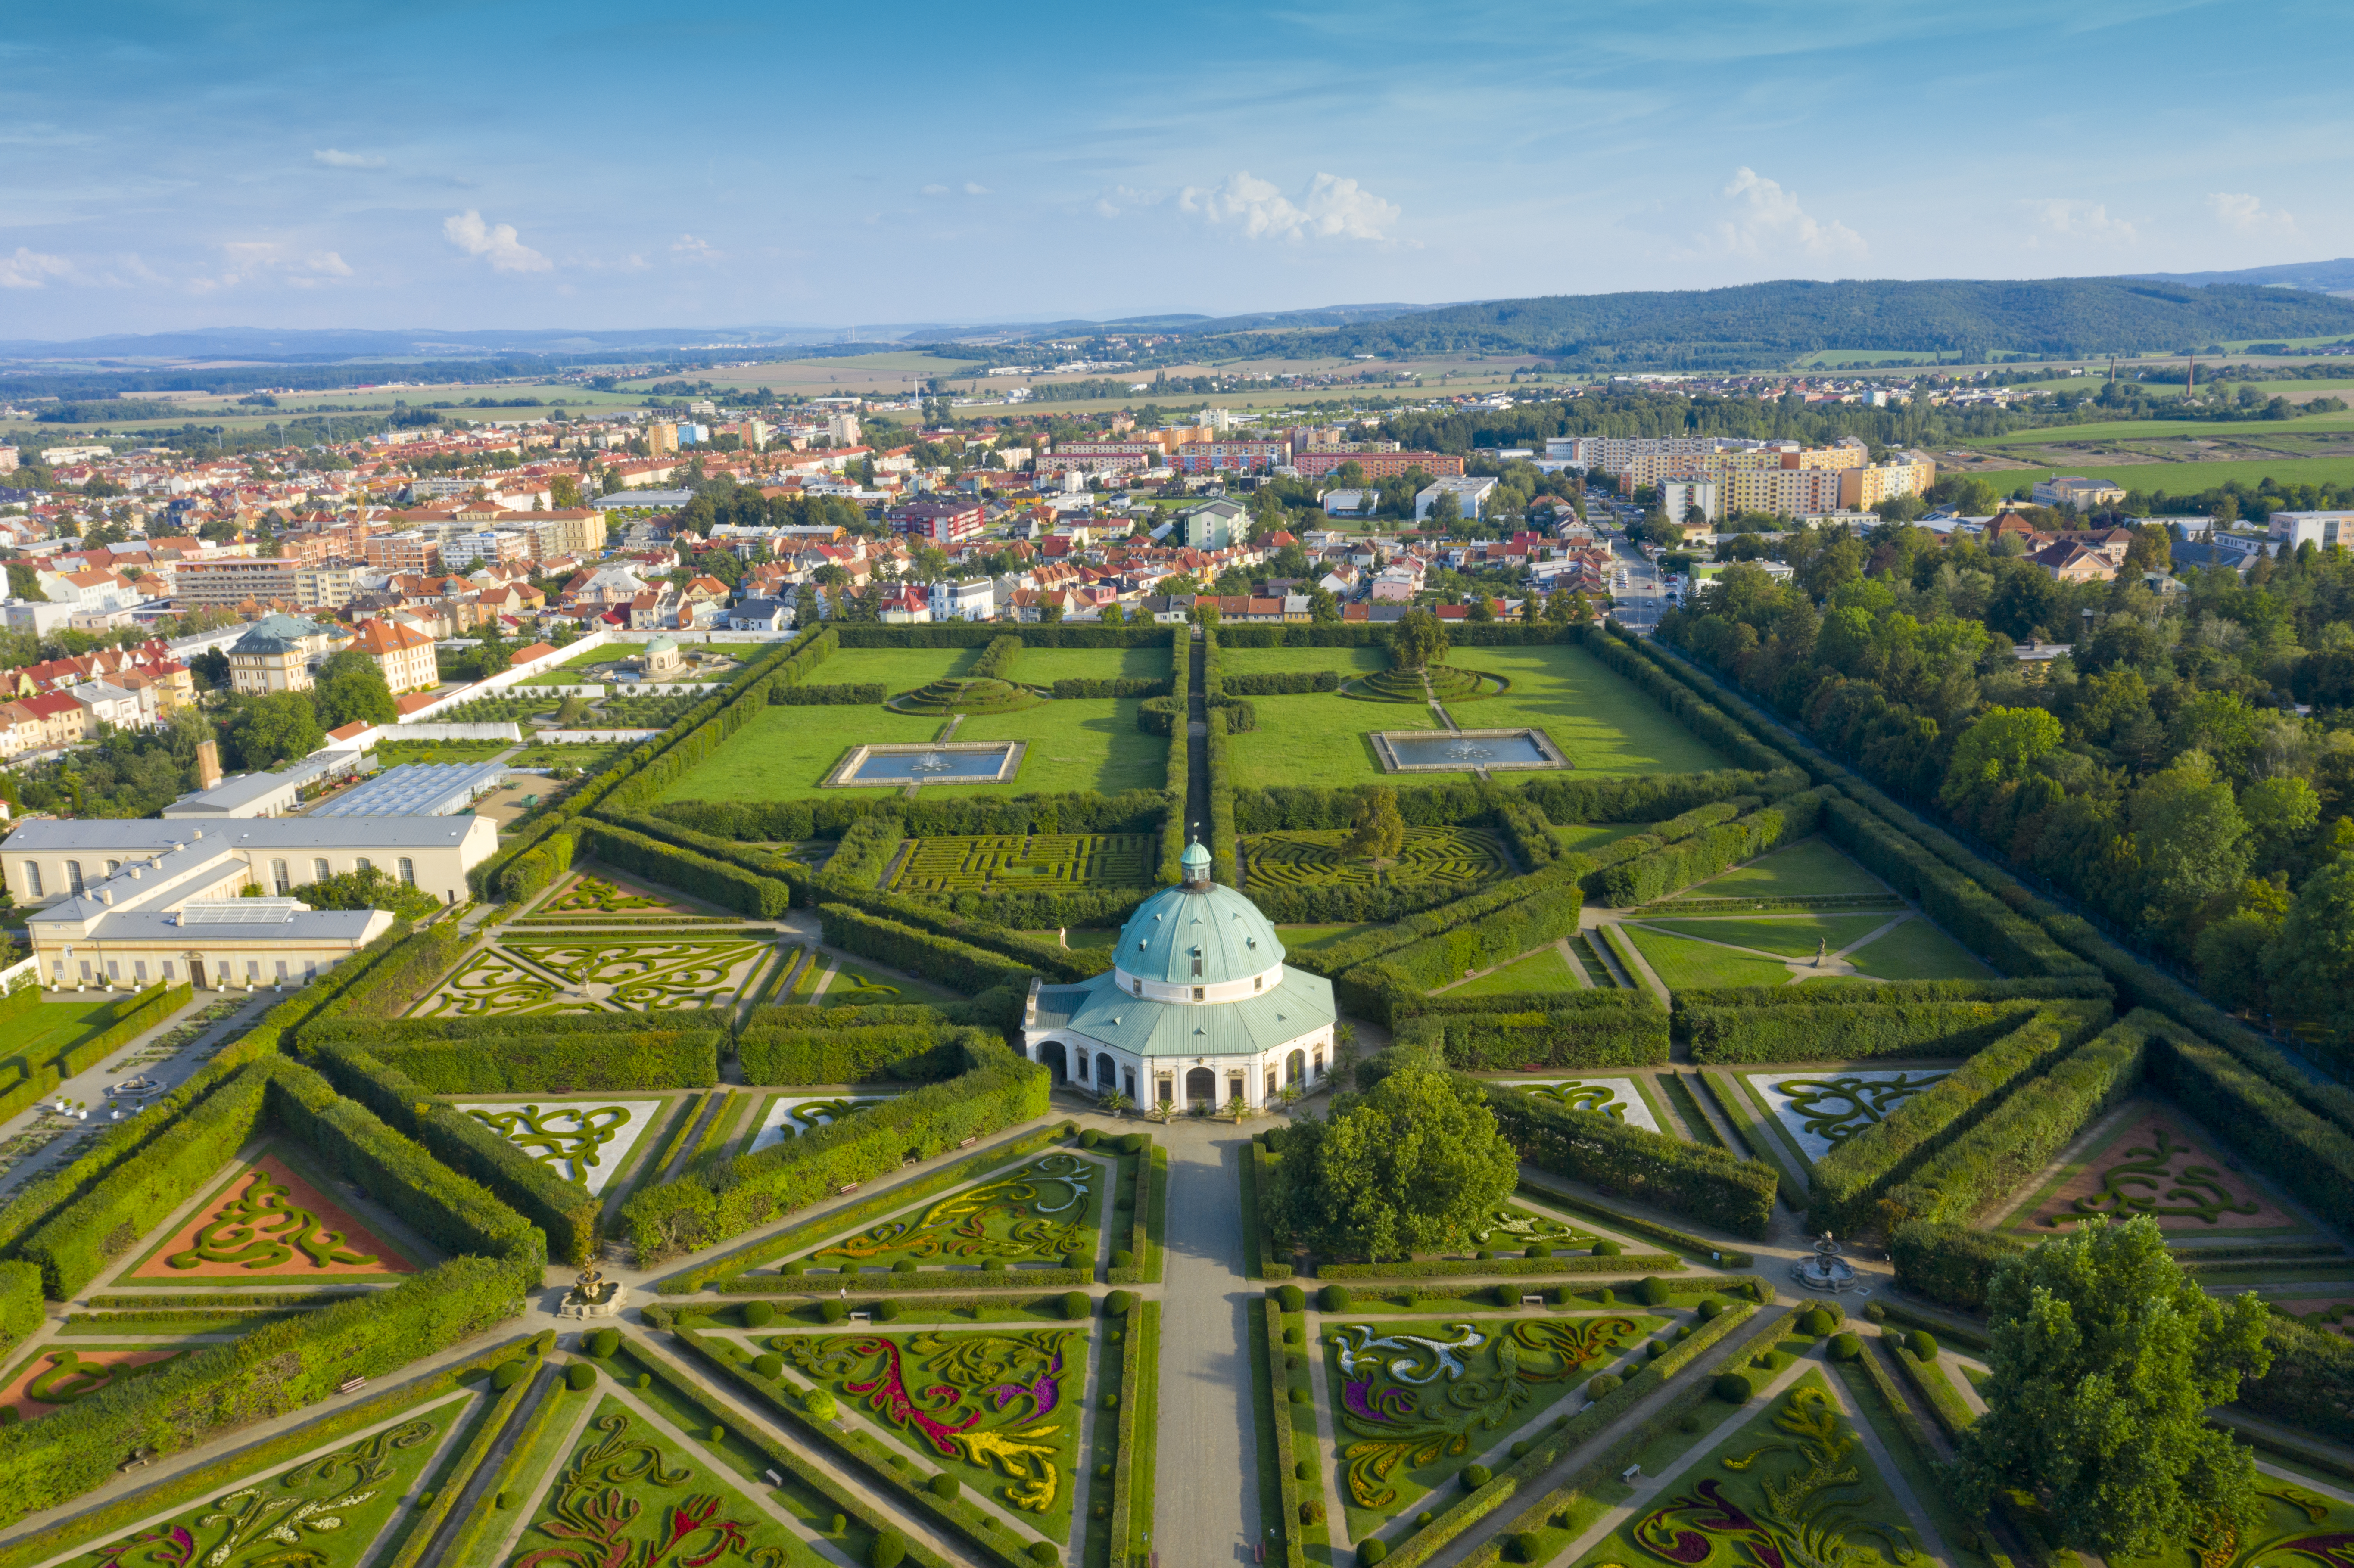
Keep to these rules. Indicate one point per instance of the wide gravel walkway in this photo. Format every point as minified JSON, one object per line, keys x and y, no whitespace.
{"x":1206,"y":1505}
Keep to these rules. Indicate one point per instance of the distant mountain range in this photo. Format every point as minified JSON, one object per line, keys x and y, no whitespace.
{"x":2328,"y":277}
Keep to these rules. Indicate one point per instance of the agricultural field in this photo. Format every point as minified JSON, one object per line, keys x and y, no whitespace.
{"x":1602,"y":724}
{"x":1004,"y":863}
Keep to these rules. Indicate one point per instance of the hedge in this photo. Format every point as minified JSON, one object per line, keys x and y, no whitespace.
{"x":1566,"y":797}
{"x":410,"y":971}
{"x":1704,"y":851}
{"x":520,"y":1058}
{"x":2024,"y":1133}
{"x":1291,"y":1530}
{"x":2063,"y":988}
{"x":727,"y":1195}
{"x":2311,"y":1384}
{"x":2306,"y":1153}
{"x":1113,"y":686}
{"x":734,"y":823}
{"x":957,"y":965}
{"x":534,"y":870}
{"x":566,"y":1212}
{"x":904,"y":1053}
{"x":266,"y":1373}
{"x":1224,"y":840}
{"x":863,"y":852}
{"x":1567,"y":1029}
{"x":863,"y":693}
{"x":1818,"y":1029}
{"x":21,"y":1311}
{"x":1504,"y":1267}
{"x":715,"y":882}
{"x":1280,"y":682}
{"x":1372,"y":971}
{"x":1522,"y":825}
{"x":1700,"y":1184}
{"x":1847,"y":1180}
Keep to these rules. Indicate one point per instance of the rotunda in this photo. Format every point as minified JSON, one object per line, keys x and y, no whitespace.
{"x":1198,"y":1010}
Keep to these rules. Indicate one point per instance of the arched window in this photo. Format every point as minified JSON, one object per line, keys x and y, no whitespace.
{"x":319,"y":872}
{"x":73,"y":877}
{"x":408,"y":871}
{"x":33,"y":879}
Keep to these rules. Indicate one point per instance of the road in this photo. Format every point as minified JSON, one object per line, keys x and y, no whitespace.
{"x":1638,"y":605}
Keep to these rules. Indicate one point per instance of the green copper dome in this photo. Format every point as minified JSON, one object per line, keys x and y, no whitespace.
{"x":1199,"y":921}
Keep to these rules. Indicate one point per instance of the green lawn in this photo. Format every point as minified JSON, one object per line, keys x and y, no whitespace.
{"x":1541,"y":971}
{"x":1918,"y":951}
{"x":571,"y":672}
{"x":1578,"y":837}
{"x":1077,"y":744}
{"x":1312,"y":938}
{"x":51,"y":1026}
{"x":1792,"y":937}
{"x":1694,"y":966}
{"x":2191,"y":478}
{"x":1264,"y":660}
{"x":898,"y":669}
{"x":1045,"y":666}
{"x":1810,"y":868}
{"x":1601,"y":723}
{"x":855,"y":985}
{"x":2167,"y":429}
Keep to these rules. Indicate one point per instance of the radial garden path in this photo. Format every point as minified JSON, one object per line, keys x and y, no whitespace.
{"x":1207,"y":1477}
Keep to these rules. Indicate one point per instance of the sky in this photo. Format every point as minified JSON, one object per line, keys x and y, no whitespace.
{"x":166,"y":166}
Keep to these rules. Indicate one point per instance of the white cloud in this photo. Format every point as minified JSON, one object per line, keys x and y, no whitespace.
{"x":969,"y":187}
{"x":687,"y":248}
{"x":2066,"y":219}
{"x":32,"y":269}
{"x":251,"y":260}
{"x":335,"y":159}
{"x":972,"y":189}
{"x":1766,"y":220}
{"x":1331,"y":208}
{"x":497,"y":243}
{"x":2247,"y":214}
{"x":936,"y":190}
{"x":1113,"y":200}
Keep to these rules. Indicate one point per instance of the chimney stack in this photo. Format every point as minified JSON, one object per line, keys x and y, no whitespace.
{"x":208,"y":773}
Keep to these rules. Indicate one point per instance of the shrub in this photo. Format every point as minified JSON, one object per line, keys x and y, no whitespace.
{"x":1291,"y":1298}
{"x":507,"y":1374}
{"x":1732,"y":1387}
{"x":579,"y":1376}
{"x":1299,"y":1396}
{"x":769,"y":1365}
{"x":1370,"y":1551}
{"x":1042,"y":1553}
{"x":1089,"y":1138}
{"x":604,"y":1342}
{"x":1117,"y":1304}
{"x":1537,"y":1250}
{"x":1334,"y":1298}
{"x":1846,"y":1346}
{"x":1652,"y":1290}
{"x":1710,"y":1308}
{"x":1817,"y":1321}
{"x":906,"y":1266}
{"x":1604,"y":1298}
{"x":886,"y":1310}
{"x":1305,"y":1470}
{"x":944,"y":1487}
{"x":1601,"y":1385}
{"x":833,"y":1311}
{"x":718,"y":1434}
{"x":887,"y":1550}
{"x":1922,"y":1344}
{"x":1654,"y":1349}
{"x":1607,"y":1249}
{"x":758,"y":1314}
{"x":1699,"y":1182}
{"x":1077,"y":1306}
{"x":1475,"y":1476}
{"x":1526,"y":1546}
{"x":1710,"y":850}
{"x":1875,"y":1312}
{"x":818,"y":1403}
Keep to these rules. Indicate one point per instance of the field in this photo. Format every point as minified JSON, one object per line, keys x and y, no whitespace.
{"x":1695,"y":965}
{"x":1779,"y":949}
{"x":1080,"y":744}
{"x":1045,"y":666}
{"x":2191,"y":478}
{"x":1602,"y":724}
{"x":2180,"y":429}
{"x":1267,"y":660}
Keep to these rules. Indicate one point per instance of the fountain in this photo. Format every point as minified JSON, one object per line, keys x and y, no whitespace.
{"x":1826,"y":1271}
{"x":594,"y":1296}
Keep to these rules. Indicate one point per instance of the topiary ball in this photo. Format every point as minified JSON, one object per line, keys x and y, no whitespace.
{"x":1733,"y":1388}
{"x":1508,"y":1296}
{"x":797,"y":1268}
{"x":818,"y":1405}
{"x":645,"y":1381}
{"x":1291,"y":1298}
{"x":1846,"y":1346}
{"x":1117,"y":1304}
{"x":992,"y":1266}
{"x":1603,"y":1297}
{"x":1520,"y":1449}
{"x":1133,"y":1143}
{"x":1294,"y":1335}
{"x":1607,"y":1249}
{"x":1483,"y":1255}
{"x":1305,"y":1470}
{"x":1710,"y":1308}
{"x":833,"y":1311}
{"x":1653,"y":1290}
{"x":768,"y":1365}
{"x":944,"y":1487}
{"x":1477,"y":1475}
{"x":837,"y":1524}
{"x":1537,"y":1249}
{"x":1089,"y":1138}
{"x":1299,"y":1396}
{"x":758,"y":1314}
{"x":604,"y":1342}
{"x":1526,"y":1546}
{"x":579,"y":1376}
{"x":1077,"y":1306}
{"x":886,"y":1312}
{"x":1122,"y":1259}
{"x":1922,"y":1344}
{"x":1371,"y":1552}
{"x":1334,"y":1298}
{"x":1875,"y":1312}
{"x":905,"y":1266}
{"x":1815,"y":1322}
{"x":1078,"y":1261}
{"x":1042,"y":1552}
{"x":507,"y":1374}
{"x":718,"y":1434}
{"x":1653,"y":1349}
{"x":1601,"y":1385}
{"x":887,"y":1550}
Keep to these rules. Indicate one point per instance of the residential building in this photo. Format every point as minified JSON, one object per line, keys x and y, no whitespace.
{"x":404,"y":653}
{"x":1378,"y":465}
{"x":759,"y":615}
{"x":1863,"y":488}
{"x":104,"y":703}
{"x":2322,"y":529}
{"x":277,"y":654}
{"x":229,"y":581}
{"x":1212,"y":526}
{"x":969,"y":598}
{"x":2083,"y":494}
{"x":1470,"y":496}
{"x":1230,"y":457}
{"x":945,"y":523}
{"x":413,"y":551}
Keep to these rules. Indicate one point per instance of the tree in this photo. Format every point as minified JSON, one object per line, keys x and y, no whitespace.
{"x":1205,"y":612}
{"x":1050,"y":611}
{"x":1377,"y":831}
{"x":1113,"y":615}
{"x":2192,"y":840}
{"x":2106,"y":1359}
{"x":1417,"y":640}
{"x":1323,"y":610}
{"x":2312,"y":962}
{"x":1410,"y":1167}
{"x":280,"y":726}
{"x":369,"y":889}
{"x":1997,"y":746}
{"x":1482,"y":609}
{"x":350,"y":688}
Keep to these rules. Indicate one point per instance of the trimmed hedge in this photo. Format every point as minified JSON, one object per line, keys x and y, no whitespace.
{"x":1508,"y":1267}
{"x":1567,"y":1029}
{"x":1280,"y":682}
{"x":1698,"y":1183}
{"x":1487,"y":927}
{"x":1852,"y":1174}
{"x":2024,"y":1133}
{"x":725,"y":1195}
{"x":862,"y":693}
{"x":21,"y":1310}
{"x":1817,"y":1029}
{"x":1626,"y":656}
{"x":713,"y":880}
{"x":908,"y":1055}
{"x":2306,"y":1153}
{"x":2311,"y":1384}
{"x":1704,"y":849}
{"x":1113,"y":686}
{"x":1565,"y":797}
{"x":956,"y":965}
{"x":711,"y":825}
{"x":522,"y":1055}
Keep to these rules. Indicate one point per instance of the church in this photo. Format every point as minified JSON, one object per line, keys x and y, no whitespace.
{"x":1198,"y":1010}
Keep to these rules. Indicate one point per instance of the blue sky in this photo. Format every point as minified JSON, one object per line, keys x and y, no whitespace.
{"x":496,"y":164}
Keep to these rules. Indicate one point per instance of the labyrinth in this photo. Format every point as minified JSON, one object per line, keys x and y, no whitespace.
{"x":595,"y":974}
{"x":1318,"y":857}
{"x":1013,"y":861}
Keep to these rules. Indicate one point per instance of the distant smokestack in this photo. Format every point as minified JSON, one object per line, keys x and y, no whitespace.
{"x":208,"y":771}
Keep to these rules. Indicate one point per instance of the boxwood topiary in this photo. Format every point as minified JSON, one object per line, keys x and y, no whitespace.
{"x":1117,"y":1304}
{"x":1477,"y":1475}
{"x":1122,"y":1259}
{"x":1537,"y":1249}
{"x":1733,"y":1388}
{"x":769,"y":1365}
{"x":1133,"y":1143}
{"x":1710,"y":1308}
{"x":507,"y":1374}
{"x":1089,"y":1138}
{"x":604,"y":1342}
{"x":1291,"y":1298}
{"x":1370,"y":1551}
{"x":1304,"y":1470}
{"x":886,"y":1312}
{"x":579,"y":1375}
{"x":1817,"y":1321}
{"x":1079,"y":1260}
{"x":818,"y":1405}
{"x":1846,"y":1346}
{"x":1076,"y":1305}
{"x":1922,"y":1344}
{"x":1334,"y":1298}
{"x":905,"y":1266}
{"x":1527,"y":1546}
{"x":1653,"y":1290}
{"x":992,"y":1266}
{"x":1044,"y":1553}
{"x":758,"y":1314}
{"x":1607,"y":1249}
{"x":833,"y":1311}
{"x":887,"y":1550}
{"x":944,"y":1487}
{"x":1603,"y":1385}
{"x":1299,"y":1396}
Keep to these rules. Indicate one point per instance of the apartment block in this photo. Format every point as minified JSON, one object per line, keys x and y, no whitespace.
{"x":1378,"y":466}
{"x":231,"y":580}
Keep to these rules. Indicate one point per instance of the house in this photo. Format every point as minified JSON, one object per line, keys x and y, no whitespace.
{"x":278,"y":655}
{"x":404,"y":653}
{"x":759,"y":615}
{"x":967,"y":598}
{"x":1470,"y":496}
{"x":103,"y":702}
{"x":2083,"y":494}
{"x":2074,"y":564}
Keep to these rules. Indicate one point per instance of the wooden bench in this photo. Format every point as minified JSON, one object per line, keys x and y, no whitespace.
{"x":1532,"y":1300}
{"x":351,"y":1385}
{"x":140,"y":1459}
{"x":862,"y":1316}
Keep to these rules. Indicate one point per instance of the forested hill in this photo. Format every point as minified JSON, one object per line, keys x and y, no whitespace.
{"x":1772,"y":321}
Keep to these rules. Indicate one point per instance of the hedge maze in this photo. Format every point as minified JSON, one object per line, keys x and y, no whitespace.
{"x":1433,"y":858}
{"x":1007,"y":862}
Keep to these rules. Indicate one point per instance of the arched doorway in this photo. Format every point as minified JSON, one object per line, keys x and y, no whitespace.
{"x":1295,"y":1068}
{"x":1050,"y":1057}
{"x":1201,"y":1087}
